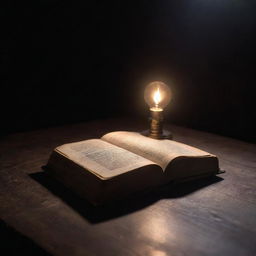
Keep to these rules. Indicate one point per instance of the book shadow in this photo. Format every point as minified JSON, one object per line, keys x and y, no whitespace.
{"x":132,"y":203}
{"x":15,"y":243}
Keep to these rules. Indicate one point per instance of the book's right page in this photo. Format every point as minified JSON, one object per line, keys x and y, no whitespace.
{"x":161,"y":152}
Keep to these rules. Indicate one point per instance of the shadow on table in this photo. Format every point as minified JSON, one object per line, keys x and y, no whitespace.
{"x":134,"y":202}
{"x":14,"y":243}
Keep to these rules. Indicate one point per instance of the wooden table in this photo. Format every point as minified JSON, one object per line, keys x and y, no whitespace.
{"x":208,"y":217}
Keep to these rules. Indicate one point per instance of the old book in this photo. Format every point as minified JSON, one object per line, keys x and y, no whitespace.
{"x":123,"y":162}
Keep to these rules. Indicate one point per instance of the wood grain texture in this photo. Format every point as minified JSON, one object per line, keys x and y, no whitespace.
{"x":209,"y":217}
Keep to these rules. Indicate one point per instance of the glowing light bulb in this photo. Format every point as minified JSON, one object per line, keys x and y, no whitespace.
{"x":157,"y":95}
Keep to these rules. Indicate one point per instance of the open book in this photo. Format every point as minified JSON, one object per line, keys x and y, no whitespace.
{"x":123,"y":162}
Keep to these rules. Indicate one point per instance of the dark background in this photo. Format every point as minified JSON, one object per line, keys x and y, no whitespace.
{"x":70,"y":61}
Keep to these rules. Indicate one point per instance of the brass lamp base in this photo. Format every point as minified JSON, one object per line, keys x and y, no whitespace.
{"x":156,"y":126}
{"x":166,"y":135}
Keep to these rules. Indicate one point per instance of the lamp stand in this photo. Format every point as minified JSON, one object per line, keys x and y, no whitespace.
{"x":156,"y":127}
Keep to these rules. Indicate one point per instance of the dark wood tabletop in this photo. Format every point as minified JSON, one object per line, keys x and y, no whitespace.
{"x":214,"y":216}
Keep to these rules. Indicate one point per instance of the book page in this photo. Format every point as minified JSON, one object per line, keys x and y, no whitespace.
{"x":101,"y":158}
{"x":158,"y":151}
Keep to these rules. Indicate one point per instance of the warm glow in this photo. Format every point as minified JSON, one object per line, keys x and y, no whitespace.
{"x":157,"y":97}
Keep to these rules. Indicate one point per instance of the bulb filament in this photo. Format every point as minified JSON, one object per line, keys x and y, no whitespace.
{"x":157,"y":97}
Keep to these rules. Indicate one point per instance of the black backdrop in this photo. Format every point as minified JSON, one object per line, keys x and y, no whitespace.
{"x":72,"y":61}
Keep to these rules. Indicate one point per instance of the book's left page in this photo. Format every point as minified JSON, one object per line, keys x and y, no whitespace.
{"x":101,"y":158}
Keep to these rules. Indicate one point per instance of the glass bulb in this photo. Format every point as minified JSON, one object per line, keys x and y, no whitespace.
{"x":157,"y":95}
